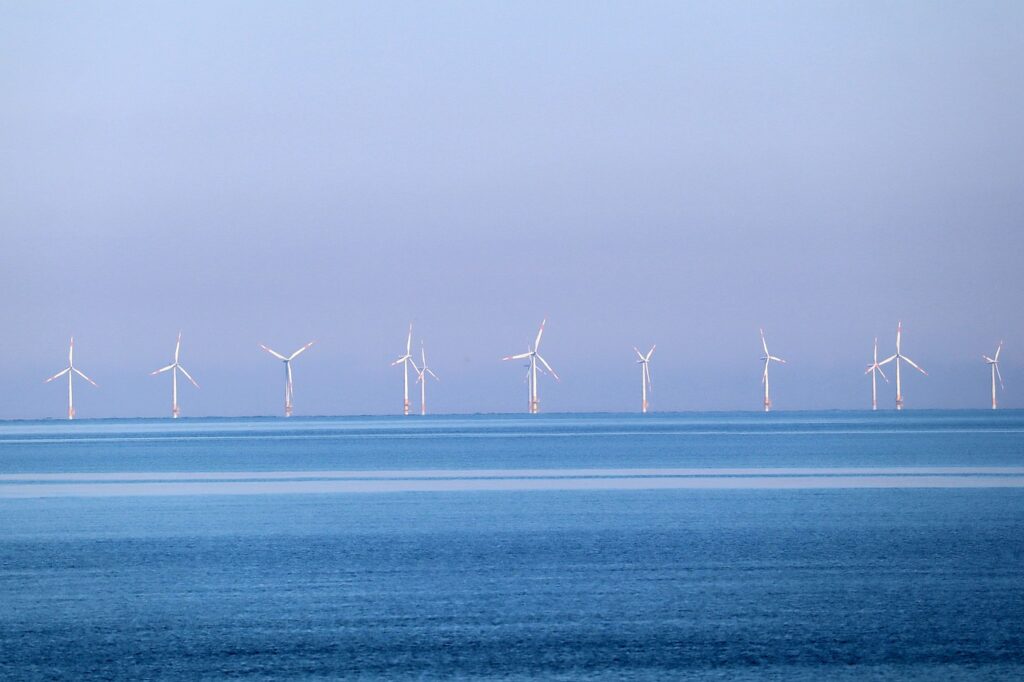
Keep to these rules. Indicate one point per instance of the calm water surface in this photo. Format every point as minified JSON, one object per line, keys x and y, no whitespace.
{"x":729,"y":546}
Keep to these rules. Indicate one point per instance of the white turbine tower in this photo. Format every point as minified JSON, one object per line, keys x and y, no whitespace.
{"x":645,"y":375}
{"x":421,"y":378}
{"x":534,"y":358}
{"x":288,"y":384}
{"x":70,"y":370}
{"x":174,"y":368}
{"x":993,"y":362}
{"x":873,"y":369}
{"x":898,"y":357}
{"x":405,"y":361}
{"x":768,"y":357}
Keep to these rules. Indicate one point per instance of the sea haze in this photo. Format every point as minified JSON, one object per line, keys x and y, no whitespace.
{"x":731,"y":546}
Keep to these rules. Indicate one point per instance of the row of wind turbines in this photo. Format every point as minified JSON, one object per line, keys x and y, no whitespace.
{"x":535,"y":365}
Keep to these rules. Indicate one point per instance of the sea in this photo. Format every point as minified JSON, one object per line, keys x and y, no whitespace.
{"x":720,"y":546}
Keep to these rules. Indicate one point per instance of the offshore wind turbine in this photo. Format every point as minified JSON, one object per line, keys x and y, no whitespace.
{"x":421,"y":378}
{"x":645,"y":375}
{"x":768,"y":357}
{"x":897,"y":357}
{"x":174,"y":368}
{"x":875,"y":368}
{"x":993,"y":362}
{"x":71,"y":371}
{"x":289,"y":386}
{"x":405,"y":361}
{"x":534,"y":357}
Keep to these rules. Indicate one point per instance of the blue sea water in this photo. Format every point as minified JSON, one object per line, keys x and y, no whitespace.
{"x":833,"y":545}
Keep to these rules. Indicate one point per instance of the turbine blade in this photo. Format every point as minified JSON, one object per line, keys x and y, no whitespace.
{"x":273,"y":352}
{"x":162,"y":369}
{"x":545,"y":363}
{"x":639,"y":354}
{"x":914,"y":365}
{"x":399,"y":360}
{"x":988,"y":359}
{"x":58,"y":375}
{"x":301,"y":350}
{"x":899,"y":333}
{"x":79,"y":373}
{"x":764,"y":343}
{"x":188,"y":376}
{"x":71,"y":352}
{"x":1000,"y":377}
{"x":1000,"y":348}
{"x":772,"y":357}
{"x":517,"y":357}
{"x":536,"y":344}
{"x":650,"y":352}
{"x":883,"y":375}
{"x":431,"y":373}
{"x":887,"y":360}
{"x":177,"y":347}
{"x":408,"y":341}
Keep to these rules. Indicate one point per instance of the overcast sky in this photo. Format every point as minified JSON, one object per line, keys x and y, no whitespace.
{"x":672,"y":173}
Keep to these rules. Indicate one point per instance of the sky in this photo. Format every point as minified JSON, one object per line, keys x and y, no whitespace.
{"x":674,"y":173}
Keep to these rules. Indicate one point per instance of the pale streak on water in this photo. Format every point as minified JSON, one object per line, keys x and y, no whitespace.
{"x":732,"y":546}
{"x":456,"y":480}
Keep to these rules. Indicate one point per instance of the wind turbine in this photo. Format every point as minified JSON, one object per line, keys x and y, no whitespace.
{"x":421,"y":378}
{"x":405,"y":361}
{"x":70,"y":370}
{"x":288,"y":384}
{"x":768,"y":357}
{"x":645,"y":375}
{"x":993,"y":362}
{"x":897,"y":357}
{"x":174,"y":368}
{"x":875,"y":368}
{"x":534,"y":358}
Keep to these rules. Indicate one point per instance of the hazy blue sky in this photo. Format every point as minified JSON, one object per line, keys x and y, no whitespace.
{"x":678,"y":173}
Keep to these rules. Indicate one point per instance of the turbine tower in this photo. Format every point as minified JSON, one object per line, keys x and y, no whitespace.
{"x":897,"y":357}
{"x":405,"y":361}
{"x":993,"y":362}
{"x":534,"y":357}
{"x":71,"y":370}
{"x":288,"y":384}
{"x":174,"y":368}
{"x":875,"y":368}
{"x":645,"y":375}
{"x":421,"y":378}
{"x":768,"y":357}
